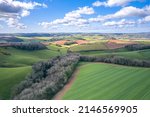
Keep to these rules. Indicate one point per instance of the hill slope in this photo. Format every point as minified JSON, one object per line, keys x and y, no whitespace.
{"x":9,"y":77}
{"x":108,"y":81}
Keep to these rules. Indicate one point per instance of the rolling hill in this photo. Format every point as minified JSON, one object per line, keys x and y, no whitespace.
{"x":96,"y":81}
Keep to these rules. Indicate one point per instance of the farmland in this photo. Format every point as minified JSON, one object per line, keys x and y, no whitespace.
{"x":140,"y":54}
{"x":91,"y":77}
{"x":15,"y":64}
{"x":24,"y":58}
{"x":9,"y":77}
{"x":107,"y":81}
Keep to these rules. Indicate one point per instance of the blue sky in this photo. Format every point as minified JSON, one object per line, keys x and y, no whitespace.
{"x":104,"y":16}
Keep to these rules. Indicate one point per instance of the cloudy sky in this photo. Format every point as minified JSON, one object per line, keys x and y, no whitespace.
{"x":105,"y":16}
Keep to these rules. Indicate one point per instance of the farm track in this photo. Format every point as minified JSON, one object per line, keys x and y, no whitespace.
{"x":61,"y":93}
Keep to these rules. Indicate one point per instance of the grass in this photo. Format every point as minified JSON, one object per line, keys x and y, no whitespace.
{"x":20,"y":58}
{"x":89,"y":46}
{"x":107,"y":81}
{"x":9,"y":77}
{"x":14,"y":67}
{"x":17,"y":64}
{"x":141,"y":54}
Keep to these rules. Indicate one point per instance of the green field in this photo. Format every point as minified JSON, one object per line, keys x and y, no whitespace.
{"x":89,"y":46}
{"x":140,"y":54}
{"x":18,"y":58}
{"x":94,"y":80}
{"x":108,"y":81}
{"x":9,"y":77}
{"x":15,"y":66}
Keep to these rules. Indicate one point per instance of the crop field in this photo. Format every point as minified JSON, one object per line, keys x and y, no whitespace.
{"x":96,"y":44}
{"x":9,"y":77}
{"x":107,"y":81}
{"x":93,"y":80}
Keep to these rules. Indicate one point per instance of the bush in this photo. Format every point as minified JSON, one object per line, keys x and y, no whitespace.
{"x":70,"y":43}
{"x":134,"y":47}
{"x":116,"y":60}
{"x":47,"y":78}
{"x":29,"y":46}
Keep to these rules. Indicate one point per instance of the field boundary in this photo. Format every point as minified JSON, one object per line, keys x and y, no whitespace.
{"x":61,"y":93}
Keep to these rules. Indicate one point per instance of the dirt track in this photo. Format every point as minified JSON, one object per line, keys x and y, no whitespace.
{"x":61,"y":93}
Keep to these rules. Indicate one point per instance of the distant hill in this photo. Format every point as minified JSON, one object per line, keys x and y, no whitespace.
{"x":9,"y":39}
{"x":128,"y":35}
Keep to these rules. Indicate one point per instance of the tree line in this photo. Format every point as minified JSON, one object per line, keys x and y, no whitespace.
{"x":70,"y":42}
{"x":29,"y":46}
{"x":47,"y":78}
{"x":135,"y":47}
{"x":116,"y":60}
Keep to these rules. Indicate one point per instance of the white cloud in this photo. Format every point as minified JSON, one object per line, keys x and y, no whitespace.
{"x":131,"y":12}
{"x":111,"y":3}
{"x":98,"y":3}
{"x":14,"y":9}
{"x":147,"y":19}
{"x":144,"y":20}
{"x":72,"y":18}
{"x":121,"y":23}
{"x":11,"y":22}
{"x":125,"y":12}
{"x":25,"y":13}
{"x":14,"y":6}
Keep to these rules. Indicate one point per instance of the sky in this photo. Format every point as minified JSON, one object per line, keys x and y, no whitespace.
{"x":48,"y":16}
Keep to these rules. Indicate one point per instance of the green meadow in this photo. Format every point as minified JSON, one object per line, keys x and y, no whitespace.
{"x":17,"y":64}
{"x":96,"y":81}
{"x":93,"y":81}
{"x":140,"y":54}
{"x":9,"y":77}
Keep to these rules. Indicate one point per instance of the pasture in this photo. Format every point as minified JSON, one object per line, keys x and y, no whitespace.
{"x":9,"y":77}
{"x":96,"y":81}
{"x":140,"y":54}
{"x":15,"y":64}
{"x":19,"y":58}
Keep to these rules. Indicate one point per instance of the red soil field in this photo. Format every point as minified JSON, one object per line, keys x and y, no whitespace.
{"x":81,"y":42}
{"x":114,"y":44}
{"x":61,"y":42}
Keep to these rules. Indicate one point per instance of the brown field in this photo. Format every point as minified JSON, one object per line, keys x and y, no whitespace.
{"x":81,"y":42}
{"x":114,"y":44}
{"x":61,"y":42}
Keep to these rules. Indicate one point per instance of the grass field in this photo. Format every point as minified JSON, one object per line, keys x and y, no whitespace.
{"x":9,"y":77}
{"x":14,"y":67}
{"x":141,"y":54}
{"x":89,"y":46}
{"x":108,"y":81}
{"x":18,"y":58}
{"x":94,"y":81}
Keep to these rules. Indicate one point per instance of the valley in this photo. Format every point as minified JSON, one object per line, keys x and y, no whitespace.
{"x":95,"y":80}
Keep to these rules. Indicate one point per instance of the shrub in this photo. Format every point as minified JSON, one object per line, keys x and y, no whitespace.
{"x":47,"y":78}
{"x":70,"y":42}
{"x":134,"y":47}
{"x":29,"y":46}
{"x":116,"y":60}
